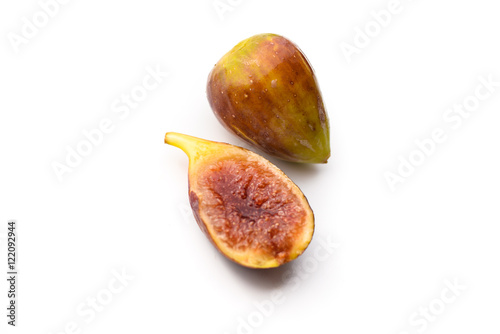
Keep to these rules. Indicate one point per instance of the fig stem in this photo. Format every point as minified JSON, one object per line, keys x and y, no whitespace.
{"x":190,"y":145}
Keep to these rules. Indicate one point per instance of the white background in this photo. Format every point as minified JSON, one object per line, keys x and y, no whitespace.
{"x":125,"y":206}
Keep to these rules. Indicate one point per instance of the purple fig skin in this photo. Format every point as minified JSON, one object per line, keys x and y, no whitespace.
{"x":264,"y":90}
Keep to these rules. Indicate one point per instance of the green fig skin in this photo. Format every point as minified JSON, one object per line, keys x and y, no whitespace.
{"x":264,"y":90}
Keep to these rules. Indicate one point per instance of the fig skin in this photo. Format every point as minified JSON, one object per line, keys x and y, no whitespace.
{"x":265,"y":91}
{"x":246,"y":206}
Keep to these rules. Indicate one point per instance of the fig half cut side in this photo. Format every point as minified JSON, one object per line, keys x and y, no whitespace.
{"x":246,"y":206}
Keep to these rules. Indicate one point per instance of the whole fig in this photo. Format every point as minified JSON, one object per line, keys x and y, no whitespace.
{"x":264,"y":90}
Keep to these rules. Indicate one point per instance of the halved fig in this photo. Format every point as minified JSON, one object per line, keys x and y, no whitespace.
{"x":247,"y":207}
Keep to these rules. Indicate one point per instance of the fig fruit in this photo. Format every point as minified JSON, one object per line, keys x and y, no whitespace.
{"x":265,"y":91}
{"x":248,"y":208}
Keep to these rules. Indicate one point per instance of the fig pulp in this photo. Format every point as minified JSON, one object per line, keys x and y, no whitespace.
{"x":264,"y":90}
{"x":248,"y":208}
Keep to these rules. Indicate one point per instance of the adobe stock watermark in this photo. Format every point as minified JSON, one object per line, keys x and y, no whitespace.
{"x":88,"y":310}
{"x":222,"y":7}
{"x":186,"y":212}
{"x":32,"y":25}
{"x":453,"y":118}
{"x":420,"y":320}
{"x":292,"y":280}
{"x":379,"y":20}
{"x":122,"y":106}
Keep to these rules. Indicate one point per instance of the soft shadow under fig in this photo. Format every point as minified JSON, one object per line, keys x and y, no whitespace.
{"x":269,"y":279}
{"x":298,"y":170}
